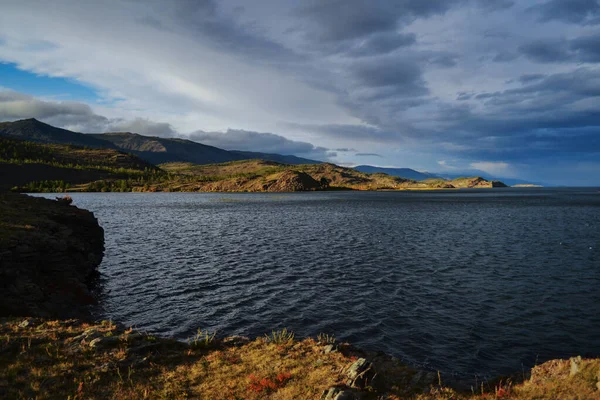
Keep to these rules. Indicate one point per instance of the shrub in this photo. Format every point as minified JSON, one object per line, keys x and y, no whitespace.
{"x":202,"y":339}
{"x":281,"y":337}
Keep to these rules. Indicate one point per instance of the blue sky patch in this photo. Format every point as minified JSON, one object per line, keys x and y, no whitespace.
{"x":34,"y":84}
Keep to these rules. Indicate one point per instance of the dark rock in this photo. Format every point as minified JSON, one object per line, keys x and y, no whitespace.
{"x":49,"y":257}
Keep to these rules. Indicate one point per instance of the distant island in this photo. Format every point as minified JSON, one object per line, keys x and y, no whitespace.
{"x":527,"y":185}
{"x":37,"y":157}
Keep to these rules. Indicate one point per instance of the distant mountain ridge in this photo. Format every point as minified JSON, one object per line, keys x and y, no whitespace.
{"x":406,"y":173}
{"x":509,"y":181}
{"x":48,"y":167}
{"x":153,"y":149}
{"x":36,"y":131}
{"x":158,"y":150}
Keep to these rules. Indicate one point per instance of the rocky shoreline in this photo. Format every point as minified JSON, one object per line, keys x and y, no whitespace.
{"x":49,"y":254}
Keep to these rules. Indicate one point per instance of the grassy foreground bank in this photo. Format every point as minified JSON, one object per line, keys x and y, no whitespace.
{"x":68,"y":359}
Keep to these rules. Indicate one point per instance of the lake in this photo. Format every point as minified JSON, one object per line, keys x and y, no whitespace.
{"x":472,"y":282}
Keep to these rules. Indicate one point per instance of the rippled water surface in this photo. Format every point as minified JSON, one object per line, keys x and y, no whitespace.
{"x":466,"y":282}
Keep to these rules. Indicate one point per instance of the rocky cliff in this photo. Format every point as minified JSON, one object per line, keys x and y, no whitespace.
{"x":49,"y":254}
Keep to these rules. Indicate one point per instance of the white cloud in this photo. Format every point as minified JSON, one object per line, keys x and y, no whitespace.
{"x":494,"y":168}
{"x":15,"y":105}
{"x":166,"y":68}
{"x":80,"y":117}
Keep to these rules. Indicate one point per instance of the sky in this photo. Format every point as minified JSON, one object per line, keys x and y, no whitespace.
{"x":509,"y":88}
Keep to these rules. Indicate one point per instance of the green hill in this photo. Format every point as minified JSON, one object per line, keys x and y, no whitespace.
{"x":30,"y":166}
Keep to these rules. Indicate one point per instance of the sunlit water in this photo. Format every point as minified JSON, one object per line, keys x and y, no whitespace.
{"x":482,"y":282}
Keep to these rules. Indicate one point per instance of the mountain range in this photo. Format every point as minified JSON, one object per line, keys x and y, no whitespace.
{"x":96,"y":156}
{"x":407,"y":173}
{"x":155,"y":150}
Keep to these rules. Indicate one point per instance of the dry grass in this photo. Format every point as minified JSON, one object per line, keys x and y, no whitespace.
{"x":51,"y":359}
{"x":553,"y":380}
{"x":72,"y":360}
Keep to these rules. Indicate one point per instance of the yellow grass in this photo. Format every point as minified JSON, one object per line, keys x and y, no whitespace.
{"x":44,"y":359}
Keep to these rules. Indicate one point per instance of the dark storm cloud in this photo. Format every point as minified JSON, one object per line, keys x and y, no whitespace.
{"x":493,"y":5}
{"x":558,"y":50}
{"x":463,"y":96}
{"x":547,"y":50}
{"x":339,"y":20}
{"x":505,"y":57}
{"x":359,"y":133}
{"x":571,"y":11}
{"x":546,"y":116}
{"x":235,"y":139}
{"x":528,"y":78}
{"x":368,"y":155}
{"x":442,"y":59}
{"x":556,"y":113}
{"x":402,"y":77}
{"x":205,"y":19}
{"x":381,"y":43}
{"x":344,"y":20}
{"x":587,"y":48}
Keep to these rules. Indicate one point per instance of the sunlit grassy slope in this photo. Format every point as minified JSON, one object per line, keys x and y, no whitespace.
{"x":46,"y":359}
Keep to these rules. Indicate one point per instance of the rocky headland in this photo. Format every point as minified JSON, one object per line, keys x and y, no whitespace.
{"x":49,"y":254}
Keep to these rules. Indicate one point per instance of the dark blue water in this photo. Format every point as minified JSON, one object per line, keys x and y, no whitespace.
{"x":467,"y":282}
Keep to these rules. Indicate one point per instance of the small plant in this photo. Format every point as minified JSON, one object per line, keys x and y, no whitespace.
{"x":202,"y":339}
{"x":324,"y":338}
{"x":268,"y":385}
{"x":281,"y":337}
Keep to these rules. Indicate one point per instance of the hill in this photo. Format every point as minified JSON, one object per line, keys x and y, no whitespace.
{"x":260,"y":175}
{"x":38,"y":167}
{"x":155,"y":150}
{"x":476,"y":182}
{"x":406,"y":173}
{"x":56,"y":160}
{"x":35,"y":167}
{"x":36,"y":131}
{"x":158,"y":150}
{"x":508,"y":181}
{"x":280,"y":158}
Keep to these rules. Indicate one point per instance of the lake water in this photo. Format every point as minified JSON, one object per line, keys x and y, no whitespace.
{"x":482,"y":282}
